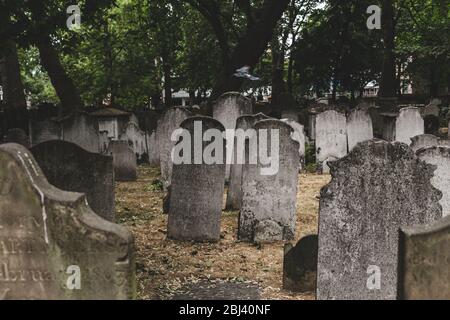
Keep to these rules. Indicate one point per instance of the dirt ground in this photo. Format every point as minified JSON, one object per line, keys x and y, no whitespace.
{"x":165,"y":266}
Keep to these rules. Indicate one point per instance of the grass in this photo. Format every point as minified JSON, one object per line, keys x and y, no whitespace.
{"x":163,"y":265}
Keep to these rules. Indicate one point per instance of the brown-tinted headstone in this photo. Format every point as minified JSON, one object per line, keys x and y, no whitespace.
{"x":52,"y":244}
{"x":124,"y":161}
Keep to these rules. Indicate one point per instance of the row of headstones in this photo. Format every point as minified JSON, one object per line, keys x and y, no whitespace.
{"x":53,"y":245}
{"x":384,"y":227}
{"x":336,"y":134}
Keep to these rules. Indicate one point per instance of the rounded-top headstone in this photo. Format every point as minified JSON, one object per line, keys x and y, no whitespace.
{"x":409,"y":124}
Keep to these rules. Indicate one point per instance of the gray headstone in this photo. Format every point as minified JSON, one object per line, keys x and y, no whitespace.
{"x":124,"y":161}
{"x":424,"y":141}
{"x":409,"y":124}
{"x":103,"y":141}
{"x":51,"y":239}
{"x":431,"y":109}
{"x":439,"y":157}
{"x":359,"y":128}
{"x":378,"y":188}
{"x":167,"y":125}
{"x":196,"y":196}
{"x":234,"y":194}
{"x":18,"y":136}
{"x":153,"y":149}
{"x":269,"y":202}
{"x":299,"y":136}
{"x":300,"y":265}
{"x":331,"y":136}
{"x":425,"y":262}
{"x":71,"y":168}
{"x":227,"y":109}
{"x":137,"y":141}
{"x":41,"y":131}
{"x":312,"y":126}
{"x":83,"y":130}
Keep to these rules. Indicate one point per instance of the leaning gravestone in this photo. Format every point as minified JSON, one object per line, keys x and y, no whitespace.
{"x":124,"y":161}
{"x":18,"y":136}
{"x":46,"y":130}
{"x":440,"y":157}
{"x":54,"y":246}
{"x":71,"y":168}
{"x":244,"y":126}
{"x":197,"y":187}
{"x":331,"y":137}
{"x":299,"y":136}
{"x":300,"y":265}
{"x":378,"y":188}
{"x":167,"y":125}
{"x":409,"y":124}
{"x":227,"y":109}
{"x":359,"y":128}
{"x":83,"y":130}
{"x":424,"y":262}
{"x":269,"y":197}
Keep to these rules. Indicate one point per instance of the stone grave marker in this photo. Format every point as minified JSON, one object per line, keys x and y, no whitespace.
{"x":269,"y":199}
{"x":359,"y":127}
{"x":71,"y":168}
{"x":378,"y":188}
{"x":53,"y":245}
{"x":409,"y":124}
{"x":18,"y":136}
{"x":83,"y":130}
{"x":299,"y":136}
{"x":124,"y":161}
{"x":197,"y":188}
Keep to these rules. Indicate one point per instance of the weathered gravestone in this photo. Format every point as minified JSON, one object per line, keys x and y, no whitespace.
{"x":359,"y":128}
{"x":378,"y":188}
{"x":103,"y":141}
{"x":409,"y":124}
{"x":53,"y":245}
{"x":197,"y":187}
{"x":300,"y":265}
{"x":227,"y":109}
{"x":167,"y":125}
{"x":124,"y":161}
{"x":439,"y":157}
{"x":299,"y":136}
{"x":136,"y":138}
{"x":71,"y":168}
{"x":244,"y":127}
{"x":331,"y":137}
{"x":424,"y":141}
{"x":46,"y":130}
{"x":269,"y":197}
{"x":424,"y":262}
{"x":83,"y":130}
{"x":18,"y":136}
{"x":153,"y":149}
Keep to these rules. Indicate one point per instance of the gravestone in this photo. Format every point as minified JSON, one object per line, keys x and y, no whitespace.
{"x":83,"y":130}
{"x":18,"y":136}
{"x":312,"y":126}
{"x":439,"y":157}
{"x":291,"y":115}
{"x":227,"y":109}
{"x":424,"y":141}
{"x":136,"y":140}
{"x":234,"y":193}
{"x":359,"y":128}
{"x":299,"y":136}
{"x":409,"y":124}
{"x":378,"y":188}
{"x":389,"y":122}
{"x":424,"y":262}
{"x":331,"y":136}
{"x":300,"y":265}
{"x":197,"y":189}
{"x":153,"y":149}
{"x":42,"y":131}
{"x":269,"y":199}
{"x":167,"y":125}
{"x":124,"y":161}
{"x":71,"y":168}
{"x":53,"y":245}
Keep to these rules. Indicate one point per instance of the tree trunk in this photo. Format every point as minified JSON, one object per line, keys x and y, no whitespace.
{"x":388,"y":76}
{"x":278,"y":85}
{"x":13,"y":89}
{"x":64,"y":86}
{"x":167,"y":71}
{"x":250,"y":47}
